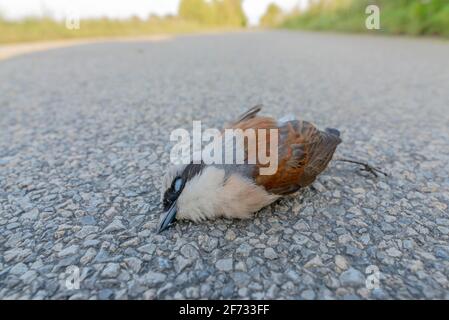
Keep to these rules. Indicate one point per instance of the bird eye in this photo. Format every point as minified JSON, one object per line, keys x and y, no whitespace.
{"x":177,"y":184}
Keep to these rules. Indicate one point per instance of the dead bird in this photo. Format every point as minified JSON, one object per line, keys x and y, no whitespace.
{"x":202,"y":191}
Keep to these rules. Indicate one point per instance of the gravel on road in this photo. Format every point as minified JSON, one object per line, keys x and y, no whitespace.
{"x":84,"y":140}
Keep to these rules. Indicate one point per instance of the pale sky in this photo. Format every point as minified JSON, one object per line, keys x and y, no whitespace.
{"x":16,"y":9}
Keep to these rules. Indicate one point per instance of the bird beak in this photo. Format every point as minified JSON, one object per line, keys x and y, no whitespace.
{"x":167,"y":218}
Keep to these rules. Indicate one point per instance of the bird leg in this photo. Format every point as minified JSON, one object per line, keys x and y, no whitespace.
{"x":366,"y":167}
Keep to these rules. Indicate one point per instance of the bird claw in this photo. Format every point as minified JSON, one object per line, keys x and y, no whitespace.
{"x":370,"y":170}
{"x":366,"y":167}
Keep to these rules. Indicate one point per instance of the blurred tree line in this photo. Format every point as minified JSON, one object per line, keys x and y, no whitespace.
{"x":273,"y":16}
{"x":213,"y":12}
{"x":193,"y":16}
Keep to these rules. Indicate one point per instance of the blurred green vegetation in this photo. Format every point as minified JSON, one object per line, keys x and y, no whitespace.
{"x":213,"y":12}
{"x":411,"y":17}
{"x":43,"y":29}
{"x":273,"y":16}
{"x":193,"y":16}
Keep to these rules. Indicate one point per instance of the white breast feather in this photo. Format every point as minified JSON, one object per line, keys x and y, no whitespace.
{"x":209,"y":196}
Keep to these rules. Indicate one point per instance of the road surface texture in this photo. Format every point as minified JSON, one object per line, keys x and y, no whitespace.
{"x":84,"y":139}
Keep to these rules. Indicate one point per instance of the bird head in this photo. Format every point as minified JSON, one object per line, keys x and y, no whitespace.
{"x":199,"y":192}
{"x":183,"y":184}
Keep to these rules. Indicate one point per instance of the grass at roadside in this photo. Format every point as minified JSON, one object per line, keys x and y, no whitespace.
{"x":411,"y":17}
{"x":44,"y":29}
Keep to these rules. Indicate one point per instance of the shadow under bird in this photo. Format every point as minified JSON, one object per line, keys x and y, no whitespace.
{"x":199,"y":192}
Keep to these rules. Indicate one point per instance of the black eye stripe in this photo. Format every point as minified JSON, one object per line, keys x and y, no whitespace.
{"x":191,"y":171}
{"x":178,"y":184}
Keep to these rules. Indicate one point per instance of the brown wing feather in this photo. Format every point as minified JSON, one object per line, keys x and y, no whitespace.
{"x":251,"y":113}
{"x":256,"y":122}
{"x":304,"y":152}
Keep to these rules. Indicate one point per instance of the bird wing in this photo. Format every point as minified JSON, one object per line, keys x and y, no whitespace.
{"x":250,"y":114}
{"x":303,"y":152}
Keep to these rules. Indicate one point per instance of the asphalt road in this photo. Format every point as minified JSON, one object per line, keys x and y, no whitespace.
{"x":84,"y":139}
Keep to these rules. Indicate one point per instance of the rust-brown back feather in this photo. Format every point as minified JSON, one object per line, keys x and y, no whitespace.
{"x":303,"y":152}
